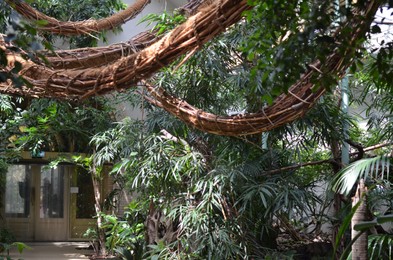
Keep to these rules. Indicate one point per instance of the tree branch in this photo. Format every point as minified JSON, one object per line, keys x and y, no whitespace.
{"x":331,"y":160}
{"x":358,"y":146}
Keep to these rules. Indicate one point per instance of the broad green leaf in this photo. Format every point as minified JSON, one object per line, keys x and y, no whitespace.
{"x":385,"y":219}
{"x":346,"y":179}
{"x":365,"y":225}
{"x":345,"y":225}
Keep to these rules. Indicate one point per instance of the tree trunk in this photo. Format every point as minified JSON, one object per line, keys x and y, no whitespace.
{"x":98,"y":208}
{"x":359,"y":247}
{"x":158,"y":227}
{"x":337,"y":199}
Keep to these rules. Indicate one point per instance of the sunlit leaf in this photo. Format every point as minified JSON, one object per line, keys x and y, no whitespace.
{"x":346,"y":179}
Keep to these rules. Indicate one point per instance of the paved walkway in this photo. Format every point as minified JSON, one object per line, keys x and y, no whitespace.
{"x":54,"y":251}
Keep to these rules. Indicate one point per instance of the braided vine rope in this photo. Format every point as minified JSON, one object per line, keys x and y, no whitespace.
{"x":188,"y":37}
{"x":45,"y":81}
{"x":287,"y":107}
{"x":84,"y":58}
{"x":98,"y":56}
{"x":78,"y":27}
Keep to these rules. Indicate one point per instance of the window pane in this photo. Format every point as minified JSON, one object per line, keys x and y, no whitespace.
{"x":52,"y":190}
{"x":17,"y":195}
{"x":85,"y":196}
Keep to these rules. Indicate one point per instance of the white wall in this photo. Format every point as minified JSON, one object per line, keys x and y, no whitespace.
{"x":132,"y":28}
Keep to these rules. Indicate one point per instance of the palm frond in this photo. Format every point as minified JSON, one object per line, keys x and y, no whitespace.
{"x":376,"y":167}
{"x":380,"y":246}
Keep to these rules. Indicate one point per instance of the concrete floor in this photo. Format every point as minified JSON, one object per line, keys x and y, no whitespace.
{"x":54,"y":251}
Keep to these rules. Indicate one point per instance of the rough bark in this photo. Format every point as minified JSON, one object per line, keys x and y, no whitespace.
{"x":97,"y":199}
{"x":359,"y":247}
{"x":335,"y":148}
{"x":158,"y":227}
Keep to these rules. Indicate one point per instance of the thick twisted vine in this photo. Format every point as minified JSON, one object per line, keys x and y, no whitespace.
{"x":45,"y":81}
{"x":287,"y":107}
{"x":78,"y":27}
{"x":197,"y":30}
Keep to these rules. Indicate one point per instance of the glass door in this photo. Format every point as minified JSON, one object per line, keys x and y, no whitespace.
{"x":82,"y":210}
{"x":19,"y":202}
{"x":51,"y":223}
{"x":51,"y":194}
{"x":18,"y":192}
{"x":36,"y":202}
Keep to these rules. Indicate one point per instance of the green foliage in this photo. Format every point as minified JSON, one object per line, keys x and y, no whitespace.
{"x":7,"y":242}
{"x":3,"y":172}
{"x":375,"y":98}
{"x":346,"y":222}
{"x":215,"y":201}
{"x":209,"y":227}
{"x":5,"y":12}
{"x":281,"y":38}
{"x":365,"y":225}
{"x":374,"y":168}
{"x":77,"y":10}
{"x":167,"y":168}
{"x":163,"y":167}
{"x":380,"y":64}
{"x":6,"y":236}
{"x":24,"y":35}
{"x":49,"y":125}
{"x":91,"y":234}
{"x":118,"y":142}
{"x":3,"y":167}
{"x":238,"y":164}
{"x":219,"y":192}
{"x":218,"y":63}
{"x":380,"y":246}
{"x":6,"y":106}
{"x":375,"y":171}
{"x":126,"y":236}
{"x":163,"y":22}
